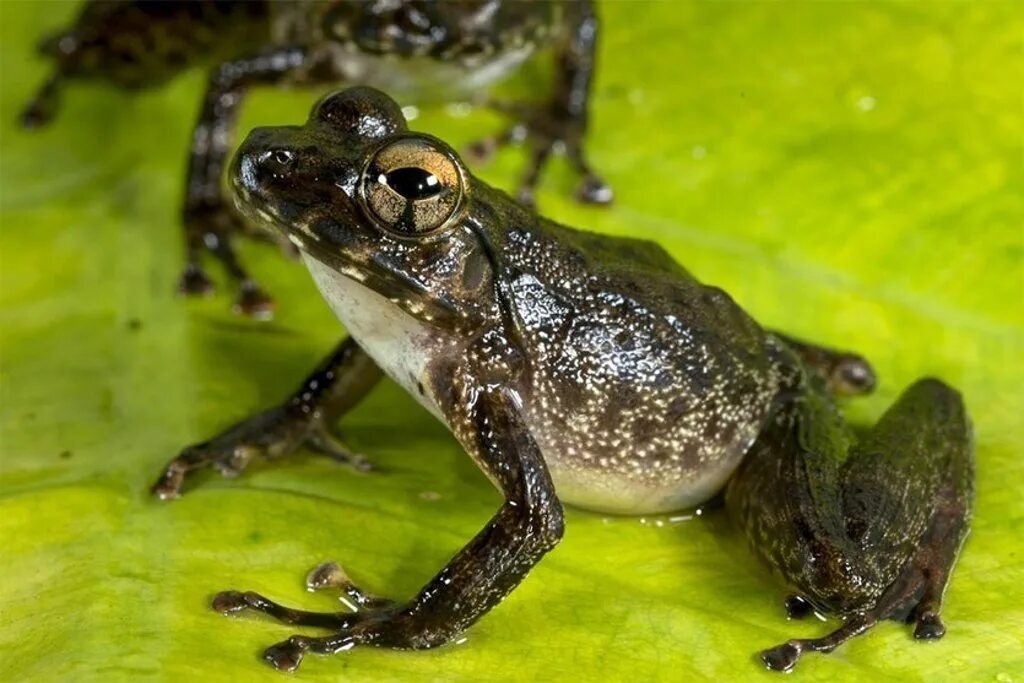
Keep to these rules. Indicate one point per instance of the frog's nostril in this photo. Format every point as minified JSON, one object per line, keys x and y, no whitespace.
{"x":278,"y":161}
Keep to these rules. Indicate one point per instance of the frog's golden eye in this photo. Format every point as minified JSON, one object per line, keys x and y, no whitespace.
{"x":413,"y":186}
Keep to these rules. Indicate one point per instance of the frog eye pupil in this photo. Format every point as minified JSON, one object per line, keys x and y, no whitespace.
{"x":412,"y":182}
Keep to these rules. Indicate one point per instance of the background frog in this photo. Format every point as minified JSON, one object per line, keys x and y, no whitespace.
{"x":585,"y":368}
{"x":437,"y":48}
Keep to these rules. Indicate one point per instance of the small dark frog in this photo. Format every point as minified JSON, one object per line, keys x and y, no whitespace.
{"x":446,"y":49}
{"x":584,"y":369}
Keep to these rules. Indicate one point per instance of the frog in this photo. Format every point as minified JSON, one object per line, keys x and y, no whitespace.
{"x":432,"y":50}
{"x":582,"y":369}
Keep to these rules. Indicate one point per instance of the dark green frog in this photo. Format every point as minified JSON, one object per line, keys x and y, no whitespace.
{"x":584,"y":369}
{"x":443,"y":49}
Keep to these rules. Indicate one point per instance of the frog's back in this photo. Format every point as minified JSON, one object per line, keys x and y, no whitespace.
{"x":646,"y":387}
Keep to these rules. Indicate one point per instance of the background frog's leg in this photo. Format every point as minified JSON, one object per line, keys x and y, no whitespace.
{"x":845,"y":373}
{"x":43,"y":106}
{"x":881,"y":520}
{"x":561,"y":122}
{"x":335,"y":387}
{"x":141,"y":44}
{"x":527,"y":525}
{"x":209,"y":221}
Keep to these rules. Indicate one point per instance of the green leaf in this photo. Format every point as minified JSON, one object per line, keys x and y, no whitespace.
{"x":850,"y":172}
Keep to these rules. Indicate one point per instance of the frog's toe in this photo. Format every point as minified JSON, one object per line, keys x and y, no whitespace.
{"x":234,"y":602}
{"x":593,"y":190}
{"x":254,"y":302}
{"x":323,"y":441}
{"x":852,"y":376}
{"x":286,"y":655}
{"x":929,"y":626}
{"x":228,"y":602}
{"x":326,"y":575}
{"x":782,"y":657}
{"x":195,"y":282}
{"x":331,"y":575}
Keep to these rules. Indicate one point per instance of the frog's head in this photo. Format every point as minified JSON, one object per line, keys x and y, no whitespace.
{"x":356,"y":191}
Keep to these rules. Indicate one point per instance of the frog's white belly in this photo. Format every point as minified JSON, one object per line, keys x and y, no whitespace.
{"x":398,"y":343}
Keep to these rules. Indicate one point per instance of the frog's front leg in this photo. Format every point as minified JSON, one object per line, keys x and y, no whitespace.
{"x":210,"y":223}
{"x":335,"y":387}
{"x":868,"y":530}
{"x":527,"y":525}
{"x":562,"y":121}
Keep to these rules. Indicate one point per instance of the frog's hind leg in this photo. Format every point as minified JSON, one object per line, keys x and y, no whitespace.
{"x":870,"y":530}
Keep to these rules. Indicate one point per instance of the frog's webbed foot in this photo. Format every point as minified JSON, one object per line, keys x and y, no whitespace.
{"x":272,"y":434}
{"x":211,"y":229}
{"x":286,"y":655}
{"x":925,"y":617}
{"x":335,"y":386}
{"x":544,"y":129}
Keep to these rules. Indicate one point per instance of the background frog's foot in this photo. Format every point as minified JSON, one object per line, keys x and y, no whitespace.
{"x":212,"y":229}
{"x":331,"y":575}
{"x":43,"y":106}
{"x":194,"y":281}
{"x":544,"y":129}
{"x":253,"y":301}
{"x":274,"y":433}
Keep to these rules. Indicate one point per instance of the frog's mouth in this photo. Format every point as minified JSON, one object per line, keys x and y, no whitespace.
{"x":359,"y":264}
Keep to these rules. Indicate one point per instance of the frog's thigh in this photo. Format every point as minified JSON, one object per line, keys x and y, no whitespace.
{"x":900,"y":505}
{"x":907,"y":490}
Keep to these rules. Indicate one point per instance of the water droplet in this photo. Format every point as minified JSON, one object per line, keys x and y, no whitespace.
{"x":866,"y":103}
{"x":459,"y":109}
{"x":410,"y":112}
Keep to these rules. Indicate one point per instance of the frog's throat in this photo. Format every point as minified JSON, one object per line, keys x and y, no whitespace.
{"x":398,"y":288}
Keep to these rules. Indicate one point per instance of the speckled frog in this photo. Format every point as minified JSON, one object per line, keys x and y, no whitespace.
{"x":584,"y":369}
{"x":421,"y":47}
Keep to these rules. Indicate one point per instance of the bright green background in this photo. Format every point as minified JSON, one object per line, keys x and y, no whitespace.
{"x":851,"y":172}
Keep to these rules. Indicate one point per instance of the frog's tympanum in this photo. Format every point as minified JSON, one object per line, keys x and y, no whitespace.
{"x":445,"y":49}
{"x":584,"y":369}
